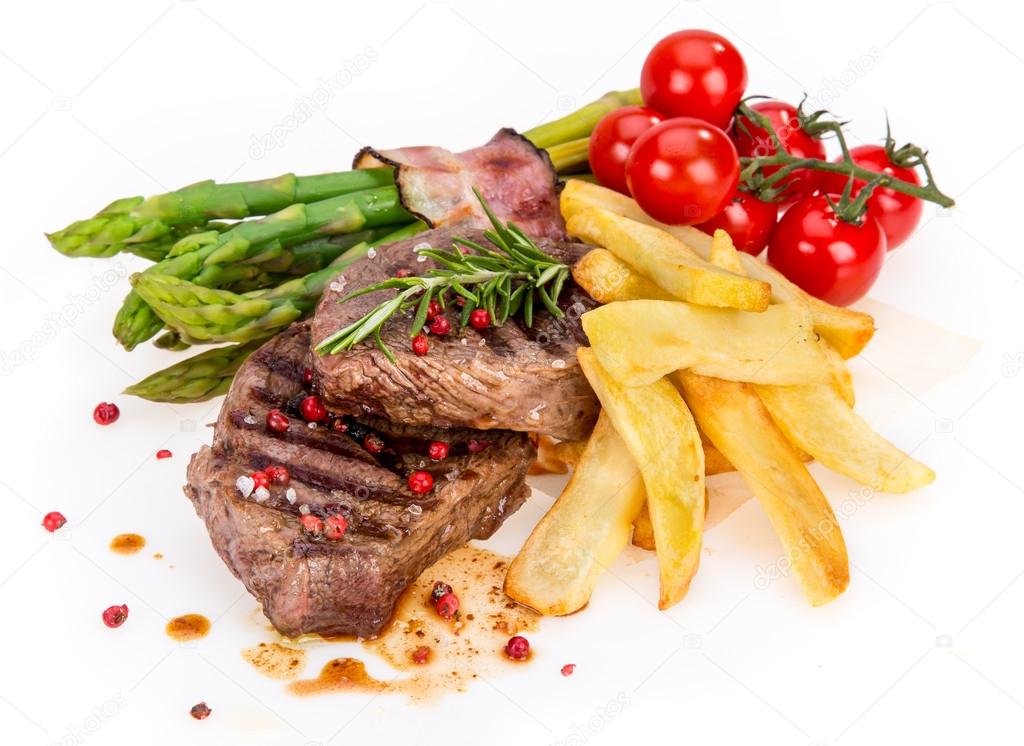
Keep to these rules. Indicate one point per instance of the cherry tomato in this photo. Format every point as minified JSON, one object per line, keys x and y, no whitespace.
{"x":694,"y":73}
{"x":747,"y":220}
{"x":682,"y":171}
{"x":830,"y":259}
{"x":897,"y":213}
{"x":756,"y":142}
{"x":611,"y":140}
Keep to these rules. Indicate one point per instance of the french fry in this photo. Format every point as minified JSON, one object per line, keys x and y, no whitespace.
{"x":668,"y":262}
{"x":583,"y":532}
{"x":569,"y":452}
{"x":607,"y":278}
{"x":816,"y":419}
{"x":662,"y":437}
{"x":643,"y":530}
{"x":725,"y":255}
{"x":640,"y":341}
{"x":547,"y":461}
{"x":738,"y":424}
{"x":847,"y":331}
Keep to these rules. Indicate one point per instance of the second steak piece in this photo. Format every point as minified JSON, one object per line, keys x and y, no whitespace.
{"x":508,"y":377}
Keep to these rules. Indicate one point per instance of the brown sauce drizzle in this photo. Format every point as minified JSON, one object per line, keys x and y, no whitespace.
{"x":127,"y":543}
{"x":188,"y":627}
{"x":340,"y":674}
{"x":275,"y":660}
{"x":433,"y":656}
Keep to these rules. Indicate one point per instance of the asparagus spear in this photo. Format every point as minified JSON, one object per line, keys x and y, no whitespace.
{"x":197,"y":378}
{"x":581,"y":122}
{"x":209,"y":259}
{"x":203,"y":315}
{"x":149,"y":227}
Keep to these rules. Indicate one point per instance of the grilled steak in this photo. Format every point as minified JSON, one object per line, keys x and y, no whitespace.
{"x":309,"y":584}
{"x":508,"y":377}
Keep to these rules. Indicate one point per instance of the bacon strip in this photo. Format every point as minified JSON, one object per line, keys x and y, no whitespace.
{"x":515,"y":177}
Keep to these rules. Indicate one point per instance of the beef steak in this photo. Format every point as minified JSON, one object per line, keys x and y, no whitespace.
{"x":309,"y":584}
{"x":509,"y":377}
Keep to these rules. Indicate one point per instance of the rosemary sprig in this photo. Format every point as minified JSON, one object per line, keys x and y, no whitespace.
{"x":506,"y":278}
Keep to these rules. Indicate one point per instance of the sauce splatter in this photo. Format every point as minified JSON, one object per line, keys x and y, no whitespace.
{"x":127,"y":543}
{"x":275,"y":660}
{"x":433,"y":655}
{"x":188,"y":627}
{"x":340,"y":674}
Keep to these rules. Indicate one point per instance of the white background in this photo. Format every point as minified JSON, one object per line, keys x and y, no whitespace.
{"x":103,"y":100}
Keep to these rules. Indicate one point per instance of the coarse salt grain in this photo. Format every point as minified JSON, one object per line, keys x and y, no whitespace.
{"x":421,"y":245}
{"x":289,"y":495}
{"x":421,"y":258}
{"x":262,"y":494}
{"x":339,"y":284}
{"x":311,"y":425}
{"x":559,"y":364}
{"x":249,"y":420}
{"x":415,"y":509}
{"x":371,"y":254}
{"x":304,"y":509}
{"x":245,"y":485}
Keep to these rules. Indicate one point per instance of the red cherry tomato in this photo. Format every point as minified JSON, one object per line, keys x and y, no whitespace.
{"x":682,"y":171}
{"x":830,"y":259}
{"x":612,"y":139}
{"x":694,"y":73}
{"x":756,"y":142}
{"x":897,"y":213}
{"x":747,"y":220}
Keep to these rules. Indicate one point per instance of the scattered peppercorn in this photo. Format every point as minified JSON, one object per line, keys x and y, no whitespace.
{"x":447,"y":605}
{"x":312,"y":409}
{"x":335,"y":526}
{"x":106,"y":413}
{"x":277,"y":421}
{"x":373,"y":443}
{"x":568,"y":668}
{"x":437,"y":450}
{"x":163,"y":453}
{"x":421,"y":482}
{"x":307,"y":376}
{"x":420,"y":345}
{"x":421,"y":655}
{"x":200,"y":711}
{"x":480,"y":318}
{"x":114,"y":616}
{"x":339,"y":425}
{"x":53,"y":520}
{"x":403,"y":273}
{"x":517,"y":648}
{"x":260,"y":479}
{"x":440,"y":326}
{"x":440,"y":588}
{"x":434,"y":310}
{"x":312,"y":524}
{"x":277,"y":475}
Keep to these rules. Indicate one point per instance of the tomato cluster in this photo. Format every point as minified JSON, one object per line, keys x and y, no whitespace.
{"x":678,"y":156}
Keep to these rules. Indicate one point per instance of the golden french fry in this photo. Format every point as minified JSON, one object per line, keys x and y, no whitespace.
{"x":607,"y":278}
{"x":668,"y":262}
{"x":640,"y":341}
{"x":738,"y":424}
{"x":583,"y":532}
{"x":724,"y":253}
{"x":839,"y":372}
{"x":662,"y":437}
{"x":816,"y":419}
{"x":643,"y":530}
{"x":547,"y":461}
{"x":848,"y":331}
{"x":569,"y":452}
